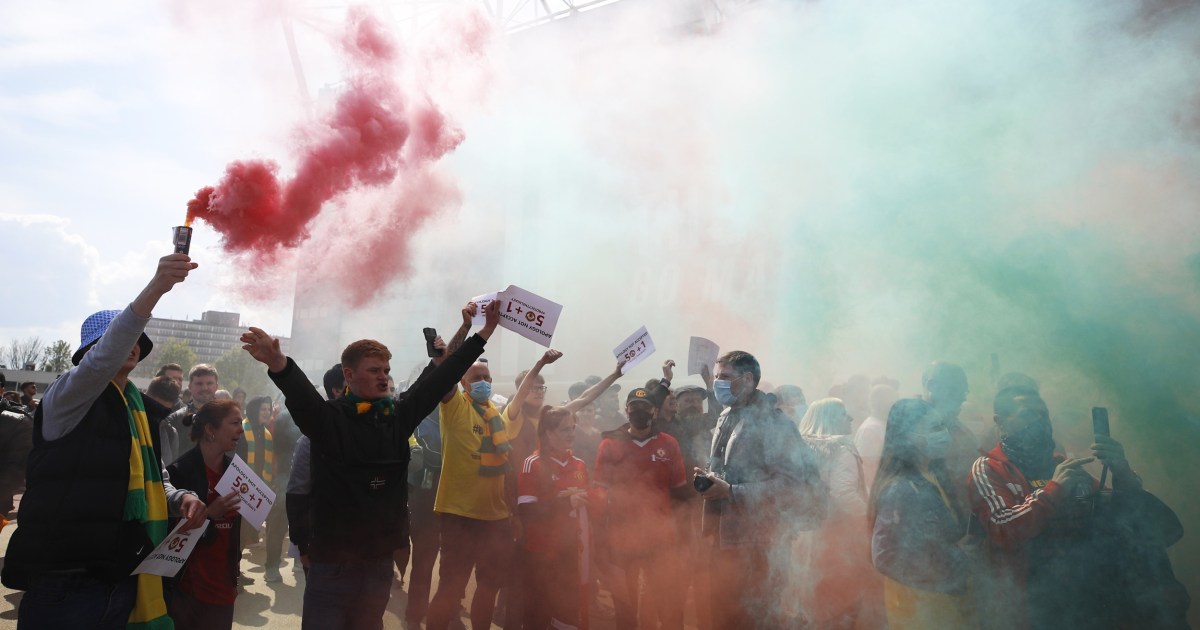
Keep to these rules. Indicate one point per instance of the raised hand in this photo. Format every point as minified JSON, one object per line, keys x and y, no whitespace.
{"x":439,"y":344}
{"x":1070,"y":472}
{"x":551,"y":356}
{"x":669,"y":369}
{"x":264,"y":348}
{"x":172,"y":269}
{"x":491,"y":315}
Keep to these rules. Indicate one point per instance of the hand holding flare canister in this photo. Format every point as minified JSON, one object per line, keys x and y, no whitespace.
{"x":183,"y":237}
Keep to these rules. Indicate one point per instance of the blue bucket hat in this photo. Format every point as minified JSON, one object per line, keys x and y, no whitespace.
{"x":93,"y":328}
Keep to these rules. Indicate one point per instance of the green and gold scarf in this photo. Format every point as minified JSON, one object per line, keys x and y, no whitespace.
{"x":145,"y":501}
{"x":493,"y":450}
{"x":268,"y":465}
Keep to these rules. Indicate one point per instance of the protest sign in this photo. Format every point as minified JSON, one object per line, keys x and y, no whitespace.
{"x":481,"y":301}
{"x":168,"y":557}
{"x":701,"y":353}
{"x":634,"y":349}
{"x":257,"y":497}
{"x":531,"y":316}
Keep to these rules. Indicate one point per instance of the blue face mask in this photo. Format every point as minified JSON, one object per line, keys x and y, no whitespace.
{"x":937,"y":444}
{"x":723,"y":390}
{"x":481,"y":391}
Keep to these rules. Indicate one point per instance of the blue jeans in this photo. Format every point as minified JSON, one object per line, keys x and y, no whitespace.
{"x":347,"y":595}
{"x":76,"y":600}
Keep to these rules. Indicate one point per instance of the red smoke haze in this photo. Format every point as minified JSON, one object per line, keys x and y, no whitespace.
{"x":378,"y":134}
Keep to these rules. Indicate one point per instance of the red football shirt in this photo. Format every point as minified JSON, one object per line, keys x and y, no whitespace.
{"x":639,"y":475}
{"x":540,"y":481}
{"x":207,"y":575}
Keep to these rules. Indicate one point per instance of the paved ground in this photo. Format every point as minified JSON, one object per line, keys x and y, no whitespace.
{"x":273,"y":606}
{"x":262,"y":605}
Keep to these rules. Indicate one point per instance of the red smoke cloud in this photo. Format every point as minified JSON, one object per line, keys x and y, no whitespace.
{"x":377,"y":135}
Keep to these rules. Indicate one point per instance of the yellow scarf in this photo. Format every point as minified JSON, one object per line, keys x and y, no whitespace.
{"x":494,"y":448}
{"x":145,"y":501}
{"x":268,"y":467}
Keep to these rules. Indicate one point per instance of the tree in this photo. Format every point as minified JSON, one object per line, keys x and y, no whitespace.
{"x":57,"y":356}
{"x":22,"y":353}
{"x":171,"y":351}
{"x":238,"y":369}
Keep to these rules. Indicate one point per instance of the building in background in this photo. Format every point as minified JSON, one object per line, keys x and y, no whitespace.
{"x":210,"y":337}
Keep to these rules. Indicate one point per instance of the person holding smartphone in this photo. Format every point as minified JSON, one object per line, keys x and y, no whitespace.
{"x":1052,"y":558}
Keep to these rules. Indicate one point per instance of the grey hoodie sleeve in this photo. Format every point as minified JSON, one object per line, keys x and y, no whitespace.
{"x":68,"y":398}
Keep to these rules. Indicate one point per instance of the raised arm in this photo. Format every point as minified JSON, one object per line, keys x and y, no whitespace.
{"x":303,"y":400}
{"x":440,"y":384}
{"x":68,"y":398}
{"x":456,"y":342}
{"x":1011,"y":519}
{"x":518,"y":398}
{"x":592,"y":393}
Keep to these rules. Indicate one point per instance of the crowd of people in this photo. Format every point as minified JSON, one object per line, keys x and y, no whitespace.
{"x":731,"y":504}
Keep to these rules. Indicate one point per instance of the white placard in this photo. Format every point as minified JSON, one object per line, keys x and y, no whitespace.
{"x":480,"y":302}
{"x":702,"y":352}
{"x":257,"y":497}
{"x":634,"y":349}
{"x":168,"y":557}
{"x":531,"y":316}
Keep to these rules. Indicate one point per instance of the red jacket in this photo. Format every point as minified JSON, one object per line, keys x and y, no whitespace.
{"x":1001,"y":499}
{"x":1012,"y":513}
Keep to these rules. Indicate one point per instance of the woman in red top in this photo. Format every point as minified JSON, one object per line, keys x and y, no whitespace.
{"x":552,"y":502}
{"x":202,"y":593}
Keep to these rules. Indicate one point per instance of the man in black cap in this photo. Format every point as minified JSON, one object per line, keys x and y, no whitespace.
{"x":640,"y":469}
{"x":97,"y":498}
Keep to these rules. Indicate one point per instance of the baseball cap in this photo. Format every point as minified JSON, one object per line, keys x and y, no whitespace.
{"x":640,"y":395}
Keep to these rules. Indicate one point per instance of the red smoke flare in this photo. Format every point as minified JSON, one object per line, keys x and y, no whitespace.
{"x":375,"y":135}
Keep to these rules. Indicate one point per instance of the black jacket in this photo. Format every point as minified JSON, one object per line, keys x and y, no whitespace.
{"x":188,"y":473}
{"x":16,"y":440}
{"x":360,"y":461}
{"x":78,"y":483}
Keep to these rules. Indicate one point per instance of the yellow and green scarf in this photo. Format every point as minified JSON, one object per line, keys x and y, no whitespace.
{"x":385,"y":406}
{"x":268,"y":466}
{"x":493,"y":450}
{"x":145,"y":501}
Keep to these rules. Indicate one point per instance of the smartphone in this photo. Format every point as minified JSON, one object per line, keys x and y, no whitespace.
{"x":430,"y":335}
{"x":1100,"y":421}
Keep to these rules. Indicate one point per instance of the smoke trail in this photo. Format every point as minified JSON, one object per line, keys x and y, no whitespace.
{"x":380,"y":136}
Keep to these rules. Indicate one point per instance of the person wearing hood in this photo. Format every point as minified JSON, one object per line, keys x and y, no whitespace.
{"x":638,"y":470}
